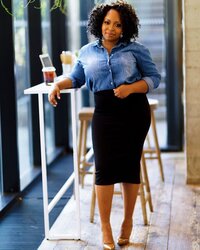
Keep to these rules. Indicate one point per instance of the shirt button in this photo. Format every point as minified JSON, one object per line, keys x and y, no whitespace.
{"x":111,"y":83}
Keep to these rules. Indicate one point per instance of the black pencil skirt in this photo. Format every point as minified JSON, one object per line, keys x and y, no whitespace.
{"x":119,"y":128}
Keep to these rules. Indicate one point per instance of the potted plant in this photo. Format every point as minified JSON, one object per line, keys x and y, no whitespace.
{"x":57,"y":4}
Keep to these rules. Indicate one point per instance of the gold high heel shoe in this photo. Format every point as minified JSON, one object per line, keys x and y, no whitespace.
{"x":122,"y":241}
{"x":108,"y":246}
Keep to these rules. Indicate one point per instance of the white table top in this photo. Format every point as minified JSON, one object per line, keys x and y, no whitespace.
{"x":42,"y":88}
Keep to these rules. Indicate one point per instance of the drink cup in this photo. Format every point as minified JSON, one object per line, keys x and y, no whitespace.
{"x":66,"y":68}
{"x":49,"y":75}
{"x":66,"y":57}
{"x":67,"y":61}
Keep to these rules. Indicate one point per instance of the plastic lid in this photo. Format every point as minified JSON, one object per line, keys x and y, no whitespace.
{"x":48,"y":69}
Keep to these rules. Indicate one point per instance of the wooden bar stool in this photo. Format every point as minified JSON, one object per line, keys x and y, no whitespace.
{"x":151,"y":152}
{"x":144,"y":193}
{"x":85,"y":117}
{"x":84,"y":163}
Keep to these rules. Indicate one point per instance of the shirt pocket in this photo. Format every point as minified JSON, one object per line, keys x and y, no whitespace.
{"x":128,"y":64}
{"x":95,"y":66}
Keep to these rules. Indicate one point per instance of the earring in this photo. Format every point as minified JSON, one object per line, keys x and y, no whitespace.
{"x":121,"y":35}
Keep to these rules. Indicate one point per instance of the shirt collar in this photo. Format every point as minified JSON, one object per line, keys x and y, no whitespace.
{"x":98,"y":44}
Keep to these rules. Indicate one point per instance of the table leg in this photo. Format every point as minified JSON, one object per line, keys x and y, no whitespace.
{"x":75,"y":160}
{"x":43,"y":161}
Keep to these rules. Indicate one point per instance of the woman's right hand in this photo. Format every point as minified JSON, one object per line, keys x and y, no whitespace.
{"x":54,"y":94}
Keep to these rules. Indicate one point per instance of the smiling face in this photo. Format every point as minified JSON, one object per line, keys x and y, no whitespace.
{"x":111,"y":27}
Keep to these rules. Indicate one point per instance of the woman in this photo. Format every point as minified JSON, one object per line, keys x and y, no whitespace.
{"x":120,"y":72}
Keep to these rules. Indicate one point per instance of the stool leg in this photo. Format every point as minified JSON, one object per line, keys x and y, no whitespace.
{"x":143,"y":200}
{"x":148,"y":141}
{"x":93,"y":200}
{"x":80,"y":145}
{"x":146,"y":182}
{"x":153,"y":123}
{"x":83,"y":151}
{"x":85,"y":126}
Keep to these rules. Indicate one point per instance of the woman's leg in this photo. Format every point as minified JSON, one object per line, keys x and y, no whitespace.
{"x":104,"y":198}
{"x":130,"y":192}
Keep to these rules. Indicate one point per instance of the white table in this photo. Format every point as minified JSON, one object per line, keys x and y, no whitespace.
{"x":40,"y":90}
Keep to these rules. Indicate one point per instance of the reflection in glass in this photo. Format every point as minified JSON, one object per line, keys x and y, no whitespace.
{"x":22,"y":82}
{"x":46,"y":26}
{"x":0,"y":162}
{"x":49,"y":129}
{"x":152,"y":35}
{"x":46,"y":48}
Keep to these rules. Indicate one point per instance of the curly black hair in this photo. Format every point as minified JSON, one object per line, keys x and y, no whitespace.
{"x":129,"y":19}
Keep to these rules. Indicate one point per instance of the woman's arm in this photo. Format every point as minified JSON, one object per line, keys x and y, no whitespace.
{"x":54,"y":92}
{"x":75,"y":80}
{"x":146,"y":66}
{"x":126,"y":89}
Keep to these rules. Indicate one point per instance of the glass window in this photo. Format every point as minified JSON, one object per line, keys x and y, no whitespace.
{"x":1,"y":181}
{"x":22,"y":82}
{"x":46,"y":48}
{"x":46,"y":26}
{"x":151,"y":16}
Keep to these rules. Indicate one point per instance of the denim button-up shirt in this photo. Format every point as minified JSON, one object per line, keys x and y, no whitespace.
{"x":127,"y":63}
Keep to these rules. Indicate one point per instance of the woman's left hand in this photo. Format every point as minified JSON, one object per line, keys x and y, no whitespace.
{"x":122,"y":91}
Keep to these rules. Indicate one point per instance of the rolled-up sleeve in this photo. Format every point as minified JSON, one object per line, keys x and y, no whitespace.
{"x":147,"y":67}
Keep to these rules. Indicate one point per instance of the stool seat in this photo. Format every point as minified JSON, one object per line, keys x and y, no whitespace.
{"x":86,"y":113}
{"x":153,"y":103}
